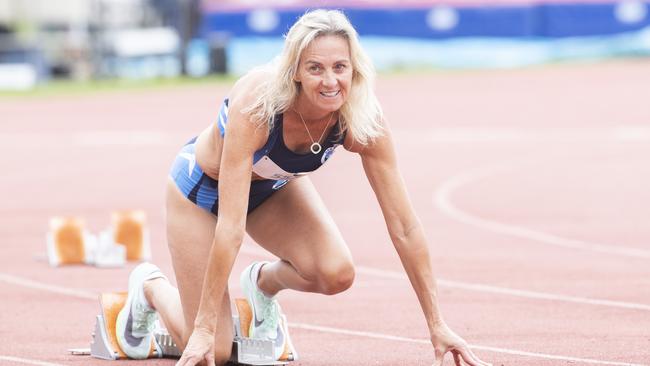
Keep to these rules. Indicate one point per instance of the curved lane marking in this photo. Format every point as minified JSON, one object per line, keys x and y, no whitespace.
{"x":85,"y":295}
{"x":27,"y":361}
{"x":442,"y":200}
{"x":482,"y":348}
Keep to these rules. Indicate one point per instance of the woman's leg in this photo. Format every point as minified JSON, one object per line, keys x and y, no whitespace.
{"x":190,"y":232}
{"x":294,"y":224}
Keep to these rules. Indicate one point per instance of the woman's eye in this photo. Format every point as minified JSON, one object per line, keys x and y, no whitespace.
{"x":314,"y":68}
{"x":340,"y":67}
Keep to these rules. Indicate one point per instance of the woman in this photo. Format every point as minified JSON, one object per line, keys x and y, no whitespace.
{"x":246,"y":173}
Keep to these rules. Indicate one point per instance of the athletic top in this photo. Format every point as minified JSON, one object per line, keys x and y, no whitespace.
{"x":275,"y":161}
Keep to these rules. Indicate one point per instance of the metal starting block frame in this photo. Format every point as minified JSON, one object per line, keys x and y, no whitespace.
{"x":245,"y":351}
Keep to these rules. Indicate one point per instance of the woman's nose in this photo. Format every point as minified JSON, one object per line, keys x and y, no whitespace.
{"x":329,"y":79}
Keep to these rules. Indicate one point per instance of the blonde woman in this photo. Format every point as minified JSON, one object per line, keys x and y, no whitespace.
{"x":247,"y":173}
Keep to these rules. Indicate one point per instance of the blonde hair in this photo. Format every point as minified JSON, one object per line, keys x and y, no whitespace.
{"x":361,"y":114}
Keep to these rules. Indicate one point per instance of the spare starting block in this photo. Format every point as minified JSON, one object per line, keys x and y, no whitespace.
{"x":245,"y":350}
{"x":127,"y":239}
{"x":68,"y":241}
{"x":129,"y":228}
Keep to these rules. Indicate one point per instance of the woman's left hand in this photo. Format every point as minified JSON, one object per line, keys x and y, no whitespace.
{"x":445,"y":340}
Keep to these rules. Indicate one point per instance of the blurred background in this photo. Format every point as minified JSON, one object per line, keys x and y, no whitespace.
{"x":84,"y":40}
{"x":523,"y":133}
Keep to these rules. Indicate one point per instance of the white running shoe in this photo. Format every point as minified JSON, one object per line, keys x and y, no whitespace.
{"x":266,"y":322}
{"x":136,"y":320}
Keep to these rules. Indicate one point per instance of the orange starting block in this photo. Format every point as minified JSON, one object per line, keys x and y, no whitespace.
{"x":246,"y":351}
{"x":68,"y":241}
{"x":129,"y":228}
{"x":127,"y":238}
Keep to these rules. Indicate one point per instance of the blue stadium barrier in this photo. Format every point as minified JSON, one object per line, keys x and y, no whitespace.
{"x":538,"y":20}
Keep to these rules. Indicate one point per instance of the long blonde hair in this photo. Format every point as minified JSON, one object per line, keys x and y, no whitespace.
{"x":361,"y":114}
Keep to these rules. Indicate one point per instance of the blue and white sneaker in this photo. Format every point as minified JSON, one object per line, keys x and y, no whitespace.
{"x":137,"y":319}
{"x":266,"y":322}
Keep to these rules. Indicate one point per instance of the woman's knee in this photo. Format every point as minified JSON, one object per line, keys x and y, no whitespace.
{"x":335,"y":278}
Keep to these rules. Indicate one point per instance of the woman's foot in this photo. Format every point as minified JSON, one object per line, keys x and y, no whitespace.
{"x":266,"y":322}
{"x":137,"y":319}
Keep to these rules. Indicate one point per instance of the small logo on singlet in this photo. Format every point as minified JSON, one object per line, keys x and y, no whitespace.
{"x":328,"y":154}
{"x":279,"y":184}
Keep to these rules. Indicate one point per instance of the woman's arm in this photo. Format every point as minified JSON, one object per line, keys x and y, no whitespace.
{"x":405,"y":229}
{"x":241,"y":140}
{"x":407,"y":235}
{"x":234,"y":185}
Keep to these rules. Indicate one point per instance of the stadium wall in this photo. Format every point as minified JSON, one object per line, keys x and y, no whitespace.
{"x":417,"y":33}
{"x":432,"y":20}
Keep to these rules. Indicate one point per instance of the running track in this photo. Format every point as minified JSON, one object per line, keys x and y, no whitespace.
{"x":532,"y":185}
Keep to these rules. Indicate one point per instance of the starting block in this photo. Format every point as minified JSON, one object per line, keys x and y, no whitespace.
{"x":127,"y":239}
{"x":129,"y":228}
{"x":245,"y":351}
{"x":68,"y":242}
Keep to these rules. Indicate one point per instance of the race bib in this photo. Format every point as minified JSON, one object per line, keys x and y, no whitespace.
{"x":266,"y":168}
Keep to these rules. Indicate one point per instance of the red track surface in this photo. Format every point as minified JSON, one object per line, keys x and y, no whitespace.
{"x":528,"y":180}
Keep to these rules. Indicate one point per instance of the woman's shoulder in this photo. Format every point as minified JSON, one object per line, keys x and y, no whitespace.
{"x":249,"y":87}
{"x":351,"y":144}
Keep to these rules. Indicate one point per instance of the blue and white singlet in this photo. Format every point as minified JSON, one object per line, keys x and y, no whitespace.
{"x":274,"y":162}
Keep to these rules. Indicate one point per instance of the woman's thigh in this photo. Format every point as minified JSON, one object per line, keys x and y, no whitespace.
{"x":190,"y":233}
{"x":295,"y":225}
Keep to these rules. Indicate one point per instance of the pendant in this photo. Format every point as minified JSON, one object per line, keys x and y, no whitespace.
{"x":315,"y":148}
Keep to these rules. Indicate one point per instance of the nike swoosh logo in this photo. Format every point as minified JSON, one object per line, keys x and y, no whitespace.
{"x":128,"y":333}
{"x":257,"y":322}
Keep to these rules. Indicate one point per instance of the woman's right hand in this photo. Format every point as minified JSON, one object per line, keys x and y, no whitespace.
{"x":199,"y":347}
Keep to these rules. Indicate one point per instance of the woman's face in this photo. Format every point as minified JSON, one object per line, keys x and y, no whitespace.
{"x":325,"y":74}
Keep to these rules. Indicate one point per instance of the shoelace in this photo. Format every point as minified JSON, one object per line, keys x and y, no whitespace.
{"x":145,"y":319}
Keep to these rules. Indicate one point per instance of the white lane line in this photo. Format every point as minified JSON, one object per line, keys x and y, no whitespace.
{"x":381,"y":273}
{"x":252,"y":249}
{"x":120,"y":138}
{"x":64,"y":290}
{"x":15,"y":280}
{"x":495,"y":134}
{"x":545,"y":296}
{"x":442,"y":200}
{"x":27,"y":361}
{"x":476,"y":347}
{"x":84,"y":295}
{"x":11,"y":140}
{"x":509,"y":291}
{"x":91,"y":138}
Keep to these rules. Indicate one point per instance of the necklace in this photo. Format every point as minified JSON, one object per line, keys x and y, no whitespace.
{"x":315,"y":145}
